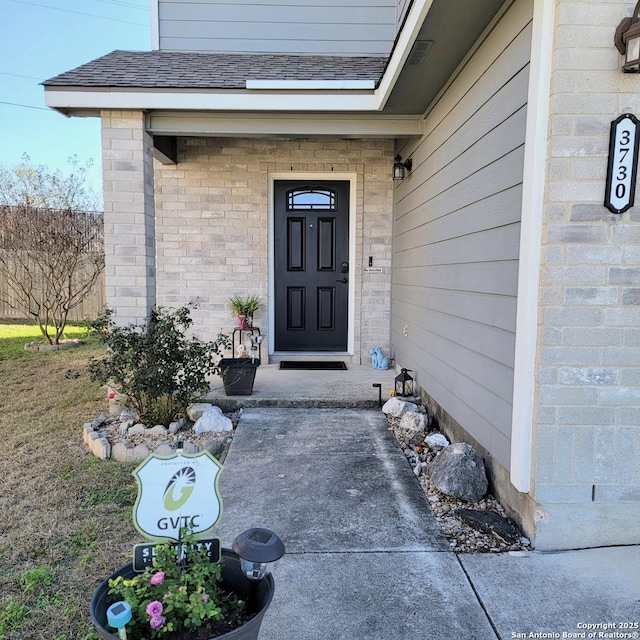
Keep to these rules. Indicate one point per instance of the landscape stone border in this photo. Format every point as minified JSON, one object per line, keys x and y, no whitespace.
{"x":41,"y":346}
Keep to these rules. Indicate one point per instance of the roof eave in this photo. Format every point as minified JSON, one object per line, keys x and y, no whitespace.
{"x":70,"y":100}
{"x":73,"y":100}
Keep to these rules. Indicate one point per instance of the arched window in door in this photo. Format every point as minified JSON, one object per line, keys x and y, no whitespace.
{"x":311,"y":199}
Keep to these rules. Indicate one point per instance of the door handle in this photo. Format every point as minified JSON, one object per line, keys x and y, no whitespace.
{"x":343,"y":280}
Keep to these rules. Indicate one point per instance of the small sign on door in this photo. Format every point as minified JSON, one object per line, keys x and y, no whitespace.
{"x":623,"y":164}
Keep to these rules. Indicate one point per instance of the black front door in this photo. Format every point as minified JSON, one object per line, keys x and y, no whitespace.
{"x":311,"y":261}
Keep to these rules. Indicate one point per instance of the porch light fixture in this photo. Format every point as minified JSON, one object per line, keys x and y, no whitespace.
{"x":400,"y":168}
{"x":257,"y":548}
{"x":627,"y":41}
{"x":404,"y":384}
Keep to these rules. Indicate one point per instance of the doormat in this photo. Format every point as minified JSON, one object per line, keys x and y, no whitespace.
{"x":311,"y":365}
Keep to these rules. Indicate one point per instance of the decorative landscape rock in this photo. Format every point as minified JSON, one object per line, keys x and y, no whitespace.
{"x":436,"y":441}
{"x":175,"y":426}
{"x":212,"y":421}
{"x":215,"y":447}
{"x":490,"y":522}
{"x":99,"y":421}
{"x":137,"y":429}
{"x":459,"y":471}
{"x":414,"y":421}
{"x":194,"y":411}
{"x":129,"y":415}
{"x":395,"y":407}
{"x":158,"y":430}
{"x":125,"y":442}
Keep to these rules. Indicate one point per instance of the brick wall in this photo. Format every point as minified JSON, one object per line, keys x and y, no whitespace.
{"x":213,"y":226}
{"x":588,"y":391}
{"x":128,"y":215}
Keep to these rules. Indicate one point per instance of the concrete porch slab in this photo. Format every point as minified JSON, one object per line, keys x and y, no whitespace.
{"x":275,"y":387}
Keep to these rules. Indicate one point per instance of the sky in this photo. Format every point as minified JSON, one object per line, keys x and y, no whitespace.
{"x":40,"y":39}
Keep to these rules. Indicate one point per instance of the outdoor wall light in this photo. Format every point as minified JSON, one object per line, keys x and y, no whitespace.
{"x":404,"y":384}
{"x":400,"y":168}
{"x":257,"y":548}
{"x":627,"y":41}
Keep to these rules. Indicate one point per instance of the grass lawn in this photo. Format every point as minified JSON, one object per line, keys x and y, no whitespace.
{"x":65,"y":515}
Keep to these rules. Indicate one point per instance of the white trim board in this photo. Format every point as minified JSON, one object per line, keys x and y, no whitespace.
{"x":530,"y":242}
{"x":179,"y":123}
{"x":350,"y":177}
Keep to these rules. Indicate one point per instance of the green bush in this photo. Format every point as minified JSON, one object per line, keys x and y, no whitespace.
{"x":156,"y":367}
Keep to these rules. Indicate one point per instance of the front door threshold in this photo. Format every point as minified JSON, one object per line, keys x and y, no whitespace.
{"x":276,"y":358}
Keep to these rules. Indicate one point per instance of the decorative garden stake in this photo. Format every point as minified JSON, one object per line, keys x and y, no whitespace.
{"x":257,"y":548}
{"x":118,"y":616}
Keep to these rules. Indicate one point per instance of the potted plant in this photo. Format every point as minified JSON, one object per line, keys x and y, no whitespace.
{"x":238,"y":375}
{"x":244,"y":308}
{"x":188,"y":598}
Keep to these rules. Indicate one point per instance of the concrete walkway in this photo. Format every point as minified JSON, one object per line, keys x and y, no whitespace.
{"x":365,"y":557}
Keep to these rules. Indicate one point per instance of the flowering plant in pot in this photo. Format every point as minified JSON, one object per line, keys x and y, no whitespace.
{"x":178,"y":594}
{"x":185,"y":596}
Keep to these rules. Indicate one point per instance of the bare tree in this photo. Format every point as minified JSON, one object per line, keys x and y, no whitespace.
{"x":50,"y":256}
{"x":28,"y":185}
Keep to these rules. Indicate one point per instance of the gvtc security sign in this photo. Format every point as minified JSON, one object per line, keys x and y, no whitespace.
{"x":175,"y":492}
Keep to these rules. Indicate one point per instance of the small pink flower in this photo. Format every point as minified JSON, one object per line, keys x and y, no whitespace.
{"x":154,"y":609}
{"x":205,"y":598}
{"x":112,"y":395}
{"x":156,"y":623}
{"x":157,"y":578}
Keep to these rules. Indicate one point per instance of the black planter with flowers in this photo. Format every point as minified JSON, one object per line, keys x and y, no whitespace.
{"x":258,"y":595}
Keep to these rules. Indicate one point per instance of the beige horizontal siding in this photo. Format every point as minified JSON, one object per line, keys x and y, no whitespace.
{"x":297,"y":26}
{"x":456,"y":238}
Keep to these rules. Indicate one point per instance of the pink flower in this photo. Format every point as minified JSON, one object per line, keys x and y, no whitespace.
{"x":154,"y":610}
{"x":157,"y":578}
{"x":112,"y":395}
{"x":157,"y":622}
{"x":205,"y":598}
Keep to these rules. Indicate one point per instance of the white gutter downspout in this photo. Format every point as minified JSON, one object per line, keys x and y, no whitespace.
{"x":533,"y":185}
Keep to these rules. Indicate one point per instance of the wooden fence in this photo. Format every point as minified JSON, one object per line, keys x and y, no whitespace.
{"x":28,"y":230}
{"x":88,"y":309}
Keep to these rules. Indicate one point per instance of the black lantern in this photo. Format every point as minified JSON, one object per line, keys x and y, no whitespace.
{"x":627,"y":41}
{"x":400,"y":168}
{"x":404,"y":383}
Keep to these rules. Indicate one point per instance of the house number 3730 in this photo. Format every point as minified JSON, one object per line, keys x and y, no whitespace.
{"x":623,"y":164}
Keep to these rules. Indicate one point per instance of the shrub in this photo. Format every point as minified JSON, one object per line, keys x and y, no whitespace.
{"x":156,"y":367}
{"x":175,"y":595}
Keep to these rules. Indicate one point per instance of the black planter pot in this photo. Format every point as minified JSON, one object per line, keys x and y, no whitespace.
{"x":232,"y":579}
{"x":238,"y":375}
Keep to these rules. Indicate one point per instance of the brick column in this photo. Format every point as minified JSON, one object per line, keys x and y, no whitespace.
{"x":129,"y":215}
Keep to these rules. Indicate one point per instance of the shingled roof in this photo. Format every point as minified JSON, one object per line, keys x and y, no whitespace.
{"x":187,"y":70}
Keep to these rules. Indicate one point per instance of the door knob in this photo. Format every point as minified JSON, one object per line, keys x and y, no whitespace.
{"x":343,"y":280}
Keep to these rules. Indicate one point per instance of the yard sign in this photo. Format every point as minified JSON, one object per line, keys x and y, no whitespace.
{"x":175,"y":492}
